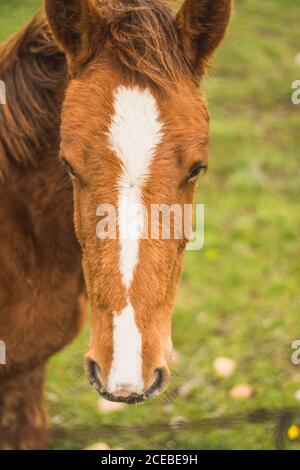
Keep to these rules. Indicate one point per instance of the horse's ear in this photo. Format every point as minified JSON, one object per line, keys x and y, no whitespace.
{"x":74,"y":24}
{"x":201,"y":25}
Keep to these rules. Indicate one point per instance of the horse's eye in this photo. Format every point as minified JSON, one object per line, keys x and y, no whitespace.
{"x":196,"y":171}
{"x":69,"y":168}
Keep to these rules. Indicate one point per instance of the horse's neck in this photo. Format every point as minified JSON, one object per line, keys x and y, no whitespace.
{"x":32,"y":179}
{"x":35,"y":74}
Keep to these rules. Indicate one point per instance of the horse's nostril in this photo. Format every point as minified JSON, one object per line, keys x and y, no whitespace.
{"x":93,"y":372}
{"x":158,"y":382}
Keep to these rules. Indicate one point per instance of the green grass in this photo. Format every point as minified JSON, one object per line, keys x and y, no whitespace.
{"x":239,"y":296}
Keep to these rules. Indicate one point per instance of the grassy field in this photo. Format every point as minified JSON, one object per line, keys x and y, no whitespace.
{"x":239,"y":296}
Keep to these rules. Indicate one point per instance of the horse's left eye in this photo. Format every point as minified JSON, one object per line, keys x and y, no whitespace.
{"x":196,"y":171}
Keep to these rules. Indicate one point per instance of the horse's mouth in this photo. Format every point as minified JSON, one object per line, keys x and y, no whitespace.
{"x":93,"y":376}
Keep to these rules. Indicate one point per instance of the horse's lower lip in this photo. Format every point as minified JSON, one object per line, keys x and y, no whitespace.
{"x":131,"y":399}
{"x":93,"y":371}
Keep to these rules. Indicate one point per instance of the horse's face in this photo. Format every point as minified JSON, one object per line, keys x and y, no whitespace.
{"x":132,"y":149}
{"x":129,"y":150}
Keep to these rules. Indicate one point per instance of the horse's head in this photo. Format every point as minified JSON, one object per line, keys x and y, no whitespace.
{"x":134,"y":139}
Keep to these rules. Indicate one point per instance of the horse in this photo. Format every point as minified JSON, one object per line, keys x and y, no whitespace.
{"x":103,"y":108}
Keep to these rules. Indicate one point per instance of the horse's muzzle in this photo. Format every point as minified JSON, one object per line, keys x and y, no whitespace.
{"x":123,"y":395}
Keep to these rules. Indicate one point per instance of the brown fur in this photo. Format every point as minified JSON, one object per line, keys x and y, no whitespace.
{"x":23,"y":418}
{"x":143,"y":38}
{"x":40,"y":260}
{"x":35,"y":74}
{"x":106,"y":44}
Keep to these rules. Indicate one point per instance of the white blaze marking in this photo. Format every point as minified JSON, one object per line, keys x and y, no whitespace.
{"x":131,"y":224}
{"x":134,"y":135}
{"x":126,"y":369}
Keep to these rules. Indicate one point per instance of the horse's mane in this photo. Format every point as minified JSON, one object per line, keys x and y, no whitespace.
{"x":144,"y":39}
{"x":34,"y":72}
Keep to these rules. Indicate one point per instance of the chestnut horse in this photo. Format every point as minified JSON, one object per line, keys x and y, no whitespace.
{"x":107,"y":90}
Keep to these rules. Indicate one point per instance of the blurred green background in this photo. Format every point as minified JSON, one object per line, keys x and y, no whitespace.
{"x":239,"y":296}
